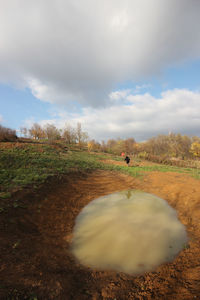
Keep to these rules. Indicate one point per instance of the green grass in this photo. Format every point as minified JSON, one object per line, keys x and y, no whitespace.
{"x":140,"y":170}
{"x":20,"y":167}
{"x":33,"y":164}
{"x":163,"y":168}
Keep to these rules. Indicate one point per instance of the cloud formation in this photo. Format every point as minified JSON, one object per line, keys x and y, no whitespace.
{"x":141,"y":116}
{"x":110,"y":229}
{"x":79,"y":50}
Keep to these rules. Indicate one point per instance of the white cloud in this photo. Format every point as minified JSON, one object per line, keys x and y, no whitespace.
{"x":78,"y":50}
{"x":119,"y":95}
{"x":49,"y":93}
{"x":1,"y":119}
{"x":144,"y":86}
{"x":142,"y":117}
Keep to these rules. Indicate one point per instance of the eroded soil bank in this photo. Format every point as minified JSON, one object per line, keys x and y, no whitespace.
{"x":35,"y":256}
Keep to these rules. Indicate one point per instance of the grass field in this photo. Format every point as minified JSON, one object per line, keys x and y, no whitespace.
{"x":31,"y":164}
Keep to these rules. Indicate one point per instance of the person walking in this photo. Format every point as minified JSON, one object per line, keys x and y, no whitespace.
{"x":127,"y":159}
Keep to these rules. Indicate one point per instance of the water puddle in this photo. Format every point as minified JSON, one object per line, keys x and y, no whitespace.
{"x":129,"y":231}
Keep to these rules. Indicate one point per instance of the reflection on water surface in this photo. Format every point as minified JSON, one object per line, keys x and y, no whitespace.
{"x":129,"y":231}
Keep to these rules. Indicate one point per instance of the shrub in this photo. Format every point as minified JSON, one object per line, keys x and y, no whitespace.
{"x":7,"y":134}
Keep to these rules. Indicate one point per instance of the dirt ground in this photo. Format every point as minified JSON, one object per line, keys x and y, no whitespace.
{"x":36,"y":262}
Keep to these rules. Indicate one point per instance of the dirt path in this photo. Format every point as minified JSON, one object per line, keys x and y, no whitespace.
{"x":35,"y":256}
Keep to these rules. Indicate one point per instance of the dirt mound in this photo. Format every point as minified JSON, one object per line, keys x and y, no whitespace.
{"x":35,"y":256}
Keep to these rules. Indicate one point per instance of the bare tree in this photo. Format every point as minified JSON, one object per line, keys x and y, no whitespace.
{"x":82,"y":136}
{"x":69,"y":134}
{"x":24,"y":131}
{"x":36,"y":131}
{"x":93,"y":146}
{"x":129,"y":145}
{"x":172,"y":145}
{"x":111,"y":144}
{"x":103,"y":146}
{"x":51,"y":132}
{"x":7,"y":134}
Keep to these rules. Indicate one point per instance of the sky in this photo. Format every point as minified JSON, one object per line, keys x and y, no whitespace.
{"x":123,"y":68}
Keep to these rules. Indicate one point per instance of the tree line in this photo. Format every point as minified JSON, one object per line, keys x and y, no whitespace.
{"x":50,"y":132}
{"x":7,"y":134}
{"x":173,"y":145}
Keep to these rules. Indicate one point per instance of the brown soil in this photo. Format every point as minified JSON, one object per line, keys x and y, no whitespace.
{"x":35,"y":242}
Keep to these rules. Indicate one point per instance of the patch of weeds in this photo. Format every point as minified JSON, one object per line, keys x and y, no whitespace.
{"x":117,"y":158}
{"x":15,"y":204}
{"x":5,"y":195}
{"x":196,"y":173}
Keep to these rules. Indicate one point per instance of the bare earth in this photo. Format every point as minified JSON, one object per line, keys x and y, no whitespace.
{"x":35,"y":256}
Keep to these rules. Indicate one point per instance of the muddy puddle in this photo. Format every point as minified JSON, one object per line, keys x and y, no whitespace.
{"x":129,"y":231}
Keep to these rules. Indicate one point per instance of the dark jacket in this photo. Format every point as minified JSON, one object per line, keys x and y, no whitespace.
{"x":127,"y":159}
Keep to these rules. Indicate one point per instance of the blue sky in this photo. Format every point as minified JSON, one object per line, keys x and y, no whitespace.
{"x":128,"y":69}
{"x":18,"y":105}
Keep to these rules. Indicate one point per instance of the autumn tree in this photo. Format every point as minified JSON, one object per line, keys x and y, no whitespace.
{"x":51,"y":132}
{"x":157,"y":145}
{"x":69,"y":134}
{"x":119,"y":147}
{"x":195,"y":149}
{"x":137,"y":147}
{"x":129,"y":145}
{"x":103,"y":146}
{"x":36,"y":131}
{"x":111,"y":144}
{"x":195,"y":139}
{"x":93,"y":146}
{"x":81,"y":135}
{"x":172,"y":145}
{"x":7,"y":134}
